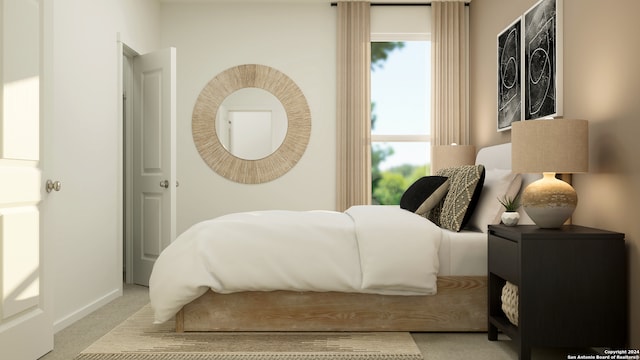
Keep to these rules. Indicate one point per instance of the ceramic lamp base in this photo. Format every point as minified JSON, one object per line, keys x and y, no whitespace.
{"x":549,"y":202}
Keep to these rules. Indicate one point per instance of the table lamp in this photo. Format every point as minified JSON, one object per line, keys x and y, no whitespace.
{"x":446,"y":156}
{"x":550,"y":147}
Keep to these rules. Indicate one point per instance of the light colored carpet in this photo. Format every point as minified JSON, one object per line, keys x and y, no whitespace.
{"x":139,"y":338}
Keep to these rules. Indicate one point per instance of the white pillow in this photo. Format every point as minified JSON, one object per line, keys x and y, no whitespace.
{"x":497,"y":184}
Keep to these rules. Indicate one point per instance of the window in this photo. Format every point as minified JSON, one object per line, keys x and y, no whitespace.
{"x":400,"y":115}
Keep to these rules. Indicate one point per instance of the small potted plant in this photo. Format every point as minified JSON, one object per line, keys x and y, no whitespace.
{"x":510,"y":216}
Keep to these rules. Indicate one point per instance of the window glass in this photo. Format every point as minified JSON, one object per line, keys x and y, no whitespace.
{"x":413,"y":153}
{"x":400,"y":115}
{"x":400,"y":90}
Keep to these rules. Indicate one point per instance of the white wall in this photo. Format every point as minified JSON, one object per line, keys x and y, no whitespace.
{"x":82,"y":222}
{"x":297,"y":39}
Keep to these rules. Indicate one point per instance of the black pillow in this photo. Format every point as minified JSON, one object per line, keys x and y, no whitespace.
{"x":419,"y":191}
{"x":475,"y":198}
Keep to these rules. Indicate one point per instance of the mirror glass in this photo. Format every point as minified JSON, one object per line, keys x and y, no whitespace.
{"x":251,"y":123}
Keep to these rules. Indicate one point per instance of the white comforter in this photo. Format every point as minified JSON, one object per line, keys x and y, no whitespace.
{"x":367,"y":249}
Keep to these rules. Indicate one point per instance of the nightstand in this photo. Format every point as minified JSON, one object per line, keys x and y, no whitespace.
{"x":572,"y":286}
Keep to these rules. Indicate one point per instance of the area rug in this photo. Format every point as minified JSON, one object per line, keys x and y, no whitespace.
{"x":137,"y":338}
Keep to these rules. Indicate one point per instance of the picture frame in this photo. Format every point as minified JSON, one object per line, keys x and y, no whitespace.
{"x":543,"y":60}
{"x":509,"y":65}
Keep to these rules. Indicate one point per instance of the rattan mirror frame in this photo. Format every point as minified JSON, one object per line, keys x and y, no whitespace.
{"x":282,"y":159}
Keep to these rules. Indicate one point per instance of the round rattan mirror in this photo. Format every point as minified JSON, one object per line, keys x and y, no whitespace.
{"x":284,"y":157}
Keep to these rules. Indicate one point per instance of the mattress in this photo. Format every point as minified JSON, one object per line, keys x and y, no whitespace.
{"x":463,"y":253}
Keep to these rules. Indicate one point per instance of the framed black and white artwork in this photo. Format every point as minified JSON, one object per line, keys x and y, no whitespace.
{"x":542,"y":55}
{"x":509,"y":75}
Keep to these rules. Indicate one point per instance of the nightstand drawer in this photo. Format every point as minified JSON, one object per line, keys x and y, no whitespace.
{"x":504,"y":259}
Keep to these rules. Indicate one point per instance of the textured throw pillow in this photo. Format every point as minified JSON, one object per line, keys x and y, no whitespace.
{"x":498,"y":183}
{"x":464,"y":191}
{"x":427,"y":188}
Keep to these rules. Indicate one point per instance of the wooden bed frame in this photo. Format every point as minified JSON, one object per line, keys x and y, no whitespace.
{"x":460,"y":305}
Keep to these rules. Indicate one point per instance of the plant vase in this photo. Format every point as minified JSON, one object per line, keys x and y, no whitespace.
{"x":510,"y":218}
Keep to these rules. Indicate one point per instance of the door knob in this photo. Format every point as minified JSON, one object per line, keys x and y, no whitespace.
{"x":164,"y":184}
{"x":52,"y":185}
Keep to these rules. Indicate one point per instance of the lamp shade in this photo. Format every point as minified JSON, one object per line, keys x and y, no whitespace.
{"x":446,"y":156}
{"x":559,"y":146}
{"x":550,"y":147}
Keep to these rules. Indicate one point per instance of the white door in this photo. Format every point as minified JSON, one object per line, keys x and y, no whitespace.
{"x":154,"y":159}
{"x":26,"y":324}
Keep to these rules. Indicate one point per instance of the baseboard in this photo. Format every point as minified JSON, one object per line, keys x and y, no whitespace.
{"x":62,"y":323}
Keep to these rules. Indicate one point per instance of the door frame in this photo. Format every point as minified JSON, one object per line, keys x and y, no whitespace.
{"x":125,"y":166}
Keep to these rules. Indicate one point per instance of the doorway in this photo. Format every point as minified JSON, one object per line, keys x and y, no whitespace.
{"x":148,"y":176}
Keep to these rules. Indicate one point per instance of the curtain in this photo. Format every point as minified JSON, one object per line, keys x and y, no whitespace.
{"x":353,"y":148}
{"x":449,"y":114}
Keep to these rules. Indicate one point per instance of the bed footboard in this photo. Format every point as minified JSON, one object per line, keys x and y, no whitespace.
{"x":460,"y":305}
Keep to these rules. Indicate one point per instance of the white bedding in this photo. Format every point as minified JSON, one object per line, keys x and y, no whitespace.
{"x":367,"y":249}
{"x":463,"y":253}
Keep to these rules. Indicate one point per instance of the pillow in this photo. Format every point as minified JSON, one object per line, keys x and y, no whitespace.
{"x":464,"y":191}
{"x":425,"y":189}
{"x":433,"y":200}
{"x":498,"y":183}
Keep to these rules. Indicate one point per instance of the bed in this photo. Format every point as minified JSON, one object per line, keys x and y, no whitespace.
{"x":380,"y":273}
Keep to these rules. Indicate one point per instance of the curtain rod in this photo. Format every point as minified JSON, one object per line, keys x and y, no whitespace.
{"x":399,"y":4}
